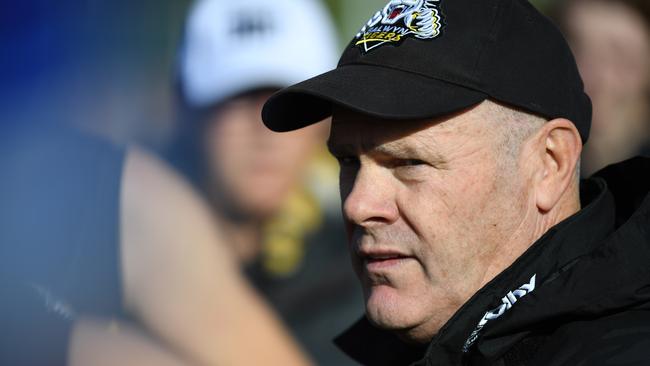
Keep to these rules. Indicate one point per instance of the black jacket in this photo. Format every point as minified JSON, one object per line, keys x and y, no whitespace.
{"x":580,"y":295}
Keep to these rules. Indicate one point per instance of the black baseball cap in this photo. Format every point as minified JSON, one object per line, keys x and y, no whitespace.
{"x":418,"y":59}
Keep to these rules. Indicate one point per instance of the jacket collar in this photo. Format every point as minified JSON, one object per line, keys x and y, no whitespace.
{"x":612,"y":278}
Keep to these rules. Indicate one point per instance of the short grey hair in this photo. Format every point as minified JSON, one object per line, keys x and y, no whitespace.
{"x":514,"y":127}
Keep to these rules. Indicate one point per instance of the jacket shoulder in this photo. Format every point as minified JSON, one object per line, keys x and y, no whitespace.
{"x":618,"y":339}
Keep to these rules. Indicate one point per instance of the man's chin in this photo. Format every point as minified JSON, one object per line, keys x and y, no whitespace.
{"x":386,"y":310}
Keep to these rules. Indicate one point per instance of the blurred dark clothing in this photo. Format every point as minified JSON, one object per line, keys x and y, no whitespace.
{"x":59,"y":238}
{"x":321,"y":298}
{"x":589,"y":303}
{"x":645,"y":150}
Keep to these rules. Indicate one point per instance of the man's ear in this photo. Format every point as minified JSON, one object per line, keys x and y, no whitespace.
{"x":560,"y":147}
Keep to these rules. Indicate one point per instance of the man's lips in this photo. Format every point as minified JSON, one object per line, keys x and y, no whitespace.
{"x":380,"y":259}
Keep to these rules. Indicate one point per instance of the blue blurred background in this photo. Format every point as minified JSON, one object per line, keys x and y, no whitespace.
{"x":53,"y":52}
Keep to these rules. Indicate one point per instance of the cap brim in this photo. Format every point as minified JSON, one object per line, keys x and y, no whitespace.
{"x":373,"y":90}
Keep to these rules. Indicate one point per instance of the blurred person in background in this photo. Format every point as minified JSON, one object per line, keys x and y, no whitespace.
{"x":277,"y":192}
{"x":611,"y":42}
{"x":107,"y":256}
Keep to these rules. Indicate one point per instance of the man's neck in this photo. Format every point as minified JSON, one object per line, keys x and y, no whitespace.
{"x":532,"y":228}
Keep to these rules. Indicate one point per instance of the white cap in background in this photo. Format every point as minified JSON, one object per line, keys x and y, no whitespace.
{"x":234,"y":46}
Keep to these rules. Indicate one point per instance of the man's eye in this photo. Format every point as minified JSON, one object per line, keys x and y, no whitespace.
{"x":410,"y":169}
{"x":400,"y":163}
{"x":410,"y":162}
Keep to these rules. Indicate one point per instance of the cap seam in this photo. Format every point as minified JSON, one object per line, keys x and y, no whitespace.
{"x":491,"y":38}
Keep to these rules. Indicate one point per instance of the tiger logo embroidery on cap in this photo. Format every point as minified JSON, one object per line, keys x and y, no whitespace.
{"x":398,"y":20}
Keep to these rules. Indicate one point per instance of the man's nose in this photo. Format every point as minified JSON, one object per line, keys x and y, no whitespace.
{"x":370,"y":201}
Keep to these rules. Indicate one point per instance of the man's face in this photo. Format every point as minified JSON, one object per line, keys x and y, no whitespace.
{"x":427,"y":207}
{"x":254,"y":166}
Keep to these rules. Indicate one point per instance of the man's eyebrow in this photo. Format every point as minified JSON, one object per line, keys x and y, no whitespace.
{"x":390,"y":149}
{"x":412,"y":150}
{"x":398,"y":149}
{"x":393,"y":149}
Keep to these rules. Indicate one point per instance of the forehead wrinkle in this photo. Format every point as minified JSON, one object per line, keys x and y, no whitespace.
{"x":406,"y":146}
{"x":355,"y":133}
{"x":367,"y":145}
{"x":425,"y":143}
{"x":418,"y":144}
